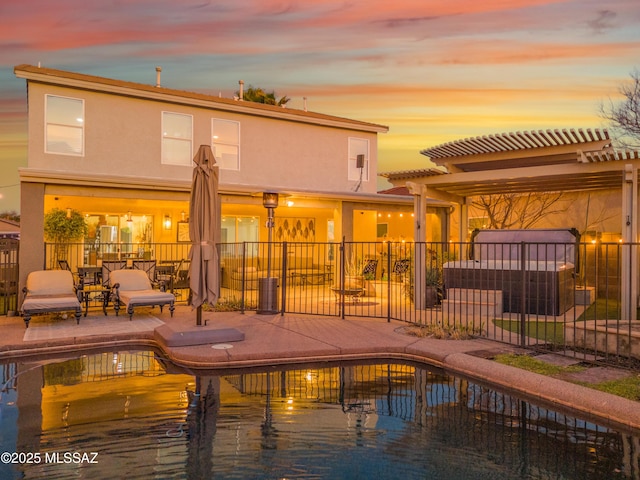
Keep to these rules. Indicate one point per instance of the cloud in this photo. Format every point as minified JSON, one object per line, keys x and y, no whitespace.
{"x":603,"y":22}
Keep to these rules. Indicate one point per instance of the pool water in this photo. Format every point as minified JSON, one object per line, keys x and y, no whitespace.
{"x":133,"y":415}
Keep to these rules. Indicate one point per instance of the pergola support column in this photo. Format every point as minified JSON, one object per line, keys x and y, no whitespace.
{"x":629,"y":254}
{"x":462,"y":230}
{"x":419,"y":193}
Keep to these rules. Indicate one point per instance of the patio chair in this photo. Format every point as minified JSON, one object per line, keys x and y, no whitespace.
{"x":132,"y":288}
{"x":147,"y":266}
{"x":109,"y":267}
{"x":175,"y":278}
{"x":181,"y":280}
{"x":400,"y":269}
{"x":64,"y":265}
{"x":370,"y":268}
{"x":49,"y":291}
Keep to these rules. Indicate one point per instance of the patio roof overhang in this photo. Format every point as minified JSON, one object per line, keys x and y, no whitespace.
{"x":113,"y":185}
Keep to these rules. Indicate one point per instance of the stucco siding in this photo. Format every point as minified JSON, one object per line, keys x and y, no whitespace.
{"x":123,"y":137}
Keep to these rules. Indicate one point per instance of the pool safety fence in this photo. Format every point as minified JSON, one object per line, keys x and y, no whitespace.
{"x":9,"y":275}
{"x":571,"y":297}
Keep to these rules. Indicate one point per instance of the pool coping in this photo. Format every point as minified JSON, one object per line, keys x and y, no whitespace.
{"x":275,"y":340}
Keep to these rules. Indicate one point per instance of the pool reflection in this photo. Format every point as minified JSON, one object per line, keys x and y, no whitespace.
{"x":145,"y":417}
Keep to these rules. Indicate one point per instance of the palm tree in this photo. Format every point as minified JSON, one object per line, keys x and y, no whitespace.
{"x":259,"y":95}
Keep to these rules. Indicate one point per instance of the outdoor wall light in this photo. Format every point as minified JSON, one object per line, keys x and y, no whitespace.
{"x":129,"y":219}
{"x":167,"y":222}
{"x":270,"y":200}
{"x":182,"y":215}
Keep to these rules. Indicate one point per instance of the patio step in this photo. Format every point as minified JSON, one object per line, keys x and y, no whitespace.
{"x":467,"y":301}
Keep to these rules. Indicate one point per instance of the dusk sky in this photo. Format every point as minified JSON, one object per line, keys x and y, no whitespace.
{"x":433,"y":71}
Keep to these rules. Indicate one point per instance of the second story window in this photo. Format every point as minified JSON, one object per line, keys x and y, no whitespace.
{"x":225,"y":139}
{"x":64,"y":125}
{"x":177,"y":133}
{"x":358,"y":159}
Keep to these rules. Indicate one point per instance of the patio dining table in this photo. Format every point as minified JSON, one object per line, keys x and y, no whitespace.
{"x":94,"y":288}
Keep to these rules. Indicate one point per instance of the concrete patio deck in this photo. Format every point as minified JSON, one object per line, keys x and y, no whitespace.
{"x":296,"y":339}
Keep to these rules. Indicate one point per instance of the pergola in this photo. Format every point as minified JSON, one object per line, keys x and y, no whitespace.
{"x":531,"y":161}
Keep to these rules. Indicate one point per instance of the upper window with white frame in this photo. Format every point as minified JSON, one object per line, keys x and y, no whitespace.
{"x":64,"y":125}
{"x":225,"y":140}
{"x":358,"y":167}
{"x":177,"y":139}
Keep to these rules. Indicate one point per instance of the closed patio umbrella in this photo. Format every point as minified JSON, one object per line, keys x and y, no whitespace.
{"x":204,"y":221}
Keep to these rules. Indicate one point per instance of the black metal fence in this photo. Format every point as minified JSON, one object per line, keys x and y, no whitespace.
{"x":563,"y":297}
{"x":9,"y":275}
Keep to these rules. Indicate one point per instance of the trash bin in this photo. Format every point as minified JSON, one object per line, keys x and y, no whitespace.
{"x":267,"y":295}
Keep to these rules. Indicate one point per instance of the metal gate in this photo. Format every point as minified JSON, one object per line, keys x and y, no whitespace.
{"x":9,"y":275}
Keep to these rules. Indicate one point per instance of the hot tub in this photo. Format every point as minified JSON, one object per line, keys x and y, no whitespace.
{"x":547,"y":286}
{"x":542,"y":284}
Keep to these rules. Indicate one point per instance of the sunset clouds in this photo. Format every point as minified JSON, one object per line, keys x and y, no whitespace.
{"x":434,"y":71}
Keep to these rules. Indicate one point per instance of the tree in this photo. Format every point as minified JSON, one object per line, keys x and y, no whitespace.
{"x":625,"y":115}
{"x":62,"y":227}
{"x":11,"y":215}
{"x":258,"y":95}
{"x":509,"y":210}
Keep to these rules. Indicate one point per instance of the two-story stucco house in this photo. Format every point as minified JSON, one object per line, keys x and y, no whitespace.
{"x":121,"y":153}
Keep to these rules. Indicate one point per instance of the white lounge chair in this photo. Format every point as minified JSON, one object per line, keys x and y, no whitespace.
{"x":132,"y":288}
{"x":50,"y":291}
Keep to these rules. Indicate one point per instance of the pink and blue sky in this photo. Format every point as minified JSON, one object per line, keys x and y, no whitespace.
{"x":432,"y":70}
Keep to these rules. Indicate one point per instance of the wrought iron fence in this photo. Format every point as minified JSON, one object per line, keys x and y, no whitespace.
{"x":9,"y":275}
{"x":563,"y":297}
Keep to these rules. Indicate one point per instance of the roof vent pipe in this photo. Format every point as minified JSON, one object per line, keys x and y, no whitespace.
{"x":241,"y":91}
{"x":158,"y":70}
{"x":305,"y":103}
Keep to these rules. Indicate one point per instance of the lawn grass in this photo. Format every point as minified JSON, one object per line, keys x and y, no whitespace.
{"x":531,"y":364}
{"x":628,"y":387}
{"x":603,"y":309}
{"x":547,"y":331}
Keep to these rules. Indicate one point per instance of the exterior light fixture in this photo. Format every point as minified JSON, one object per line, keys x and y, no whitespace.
{"x":167,"y":222}
{"x":182,"y":215}
{"x":270,"y":200}
{"x":129,"y":219}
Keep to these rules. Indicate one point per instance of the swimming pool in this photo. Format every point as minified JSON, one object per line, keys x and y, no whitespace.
{"x":133,"y":415}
